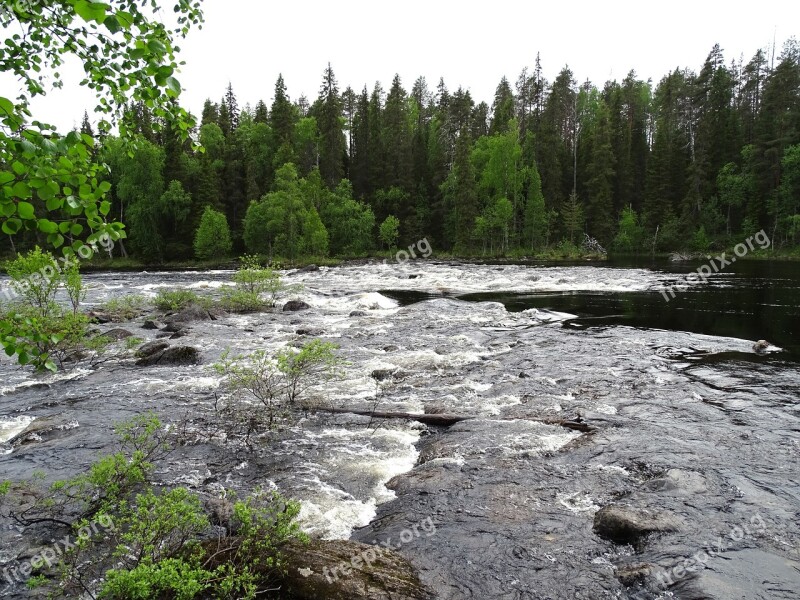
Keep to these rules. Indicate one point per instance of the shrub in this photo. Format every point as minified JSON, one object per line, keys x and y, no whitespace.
{"x":276,"y":383}
{"x":36,"y":328}
{"x":213,"y":237}
{"x":257,"y":287}
{"x":173,"y":300}
{"x":126,"y":308}
{"x":155,"y":543}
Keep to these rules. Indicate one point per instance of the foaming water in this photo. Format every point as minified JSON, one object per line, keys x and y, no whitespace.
{"x":688,"y":418}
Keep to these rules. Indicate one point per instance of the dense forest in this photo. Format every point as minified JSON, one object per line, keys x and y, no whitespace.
{"x":696,"y":161}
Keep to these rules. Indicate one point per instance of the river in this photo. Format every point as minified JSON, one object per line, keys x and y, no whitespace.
{"x":688,"y":421}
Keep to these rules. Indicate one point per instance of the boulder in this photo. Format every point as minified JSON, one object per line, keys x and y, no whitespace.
{"x":308,"y":269}
{"x":345,"y":570}
{"x":358,"y":313}
{"x":760,"y":347}
{"x":115,"y":335}
{"x":382,"y":374}
{"x":310,"y":331}
{"x":151,"y":348}
{"x":151,"y":324}
{"x":295,"y":305}
{"x":98,"y":316}
{"x":174,"y":355}
{"x":627,"y":525}
{"x":194,"y":313}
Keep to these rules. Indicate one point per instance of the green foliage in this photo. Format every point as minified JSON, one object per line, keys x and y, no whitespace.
{"x":125,"y":308}
{"x":257,"y":287}
{"x":630,"y":235}
{"x":285,"y":222}
{"x":701,"y":241}
{"x":35,"y":328}
{"x":213,"y":237}
{"x":572,"y":216}
{"x":389,"y":232}
{"x":350,"y":223}
{"x":276,"y":383}
{"x":143,"y":542}
{"x":175,"y":300}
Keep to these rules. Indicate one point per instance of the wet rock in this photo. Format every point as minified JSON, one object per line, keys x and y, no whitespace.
{"x":295,"y":305}
{"x":358,"y":313}
{"x":152,"y":324}
{"x":308,"y":269}
{"x":677,"y":482}
{"x":187,"y":315}
{"x":345,"y":570}
{"x":310,"y":331}
{"x":382,"y":374}
{"x":115,"y":335}
{"x":415,"y":276}
{"x":179,"y":334}
{"x":760,"y":347}
{"x":174,"y":355}
{"x":174,"y":327}
{"x":391,"y":348}
{"x":98,"y":316}
{"x":151,"y":348}
{"x":524,"y":375}
{"x":44,"y":429}
{"x":632,"y":574}
{"x":627,"y":525}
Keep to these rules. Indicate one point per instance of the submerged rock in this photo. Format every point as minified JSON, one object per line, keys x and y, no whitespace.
{"x":115,"y":335}
{"x":358,"y":313}
{"x":627,"y":525}
{"x":295,"y":305}
{"x":345,"y":570}
{"x":760,"y":347}
{"x":175,"y":355}
{"x":151,"y":348}
{"x":194,"y":313}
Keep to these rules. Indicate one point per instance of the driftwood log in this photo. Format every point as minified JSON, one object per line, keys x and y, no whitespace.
{"x":442,"y":420}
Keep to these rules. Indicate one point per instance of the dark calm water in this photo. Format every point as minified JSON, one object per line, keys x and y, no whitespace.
{"x":750,"y":300}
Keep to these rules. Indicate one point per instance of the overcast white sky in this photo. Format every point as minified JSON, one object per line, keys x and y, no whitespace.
{"x":248,"y":42}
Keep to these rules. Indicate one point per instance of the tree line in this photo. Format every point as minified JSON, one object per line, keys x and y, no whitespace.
{"x":695,"y":161}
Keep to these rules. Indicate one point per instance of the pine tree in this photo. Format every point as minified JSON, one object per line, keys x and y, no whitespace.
{"x":600,"y":170}
{"x":261,"y":114}
{"x":332,"y":145}
{"x":502,"y":108}
{"x":233,"y":107}
{"x":283,"y":115}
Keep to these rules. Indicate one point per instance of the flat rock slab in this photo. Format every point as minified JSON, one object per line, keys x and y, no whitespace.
{"x":345,"y":570}
{"x":627,"y":525}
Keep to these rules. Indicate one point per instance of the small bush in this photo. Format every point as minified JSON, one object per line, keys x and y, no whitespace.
{"x":126,"y":308}
{"x":35,"y":328}
{"x":173,"y":300}
{"x":257,"y":287}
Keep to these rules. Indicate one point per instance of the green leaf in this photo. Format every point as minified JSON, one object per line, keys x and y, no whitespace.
{"x":112,"y":24}
{"x":47,"y":226}
{"x":91,"y":11}
{"x":54,"y":203}
{"x":6,"y":106}
{"x":105,"y":208}
{"x":76,"y":229}
{"x":12,"y":226}
{"x":21,"y":190}
{"x":104,"y":187}
{"x":6,"y":177}
{"x":174,"y":86}
{"x":26,"y":210}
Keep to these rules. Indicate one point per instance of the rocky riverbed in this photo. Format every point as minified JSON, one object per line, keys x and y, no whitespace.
{"x":681,"y":480}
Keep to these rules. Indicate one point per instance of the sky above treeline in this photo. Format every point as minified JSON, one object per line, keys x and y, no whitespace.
{"x":472,"y":44}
